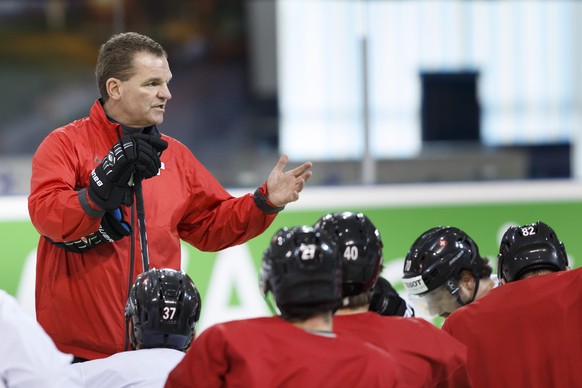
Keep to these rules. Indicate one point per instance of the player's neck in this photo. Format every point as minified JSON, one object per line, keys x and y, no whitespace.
{"x":485,"y":285}
{"x":320,"y":322}
{"x":353,"y":310}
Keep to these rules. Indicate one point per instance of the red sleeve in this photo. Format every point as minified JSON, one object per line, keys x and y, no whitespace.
{"x":215,"y":219}
{"x":205,"y":365}
{"x":53,"y":203}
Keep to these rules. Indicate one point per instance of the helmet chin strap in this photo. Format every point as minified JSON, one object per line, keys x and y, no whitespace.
{"x":473,"y":297}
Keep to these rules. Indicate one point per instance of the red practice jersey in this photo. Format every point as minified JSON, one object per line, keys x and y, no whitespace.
{"x":427,"y":356}
{"x":525,"y":333}
{"x":270,"y":352}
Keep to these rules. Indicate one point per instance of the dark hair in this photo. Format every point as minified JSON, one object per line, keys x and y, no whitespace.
{"x":487,"y":270}
{"x":355,"y":301}
{"x":116,"y":57}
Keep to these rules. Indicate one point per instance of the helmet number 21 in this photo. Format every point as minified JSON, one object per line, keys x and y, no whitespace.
{"x":307,"y":251}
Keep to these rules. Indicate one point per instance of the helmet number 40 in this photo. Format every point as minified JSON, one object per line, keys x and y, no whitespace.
{"x":351,"y":253}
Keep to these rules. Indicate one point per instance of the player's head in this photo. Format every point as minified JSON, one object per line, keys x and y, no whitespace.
{"x":302,"y":269}
{"x":434,"y":265}
{"x":163,"y":308}
{"x":360,"y":246}
{"x":528,"y":248}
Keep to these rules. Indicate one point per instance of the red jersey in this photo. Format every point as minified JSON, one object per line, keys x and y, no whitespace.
{"x":525,"y":333}
{"x":427,"y":356}
{"x":270,"y":352}
{"x":80,"y":297}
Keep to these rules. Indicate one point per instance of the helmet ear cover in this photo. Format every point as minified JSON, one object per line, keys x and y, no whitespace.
{"x":527,"y":248}
{"x":163,"y":307}
{"x":302,"y":269}
{"x":360,"y":246}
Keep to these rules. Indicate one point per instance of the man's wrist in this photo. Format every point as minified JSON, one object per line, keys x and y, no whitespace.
{"x":88,"y":205}
{"x":260,"y":197}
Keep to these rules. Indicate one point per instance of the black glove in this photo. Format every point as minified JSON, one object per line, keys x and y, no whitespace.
{"x":149,"y":149}
{"x":113,"y":228}
{"x":386,"y":301}
{"x":108,"y":183}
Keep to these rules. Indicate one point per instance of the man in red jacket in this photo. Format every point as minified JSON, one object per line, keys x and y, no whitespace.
{"x":526,"y":332}
{"x":427,"y":356}
{"x":302,"y":269}
{"x":85,"y":176}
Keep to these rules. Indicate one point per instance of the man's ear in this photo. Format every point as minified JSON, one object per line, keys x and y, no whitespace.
{"x":467,"y":280}
{"x":114,"y":88}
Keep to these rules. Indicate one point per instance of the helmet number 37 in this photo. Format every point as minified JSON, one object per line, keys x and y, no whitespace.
{"x":169,"y":313}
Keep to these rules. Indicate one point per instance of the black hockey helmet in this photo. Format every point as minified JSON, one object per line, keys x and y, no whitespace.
{"x":360,"y":246}
{"x":529,"y":247}
{"x":438,"y":257}
{"x":302,"y":269}
{"x":386,"y":300}
{"x":164,"y":307}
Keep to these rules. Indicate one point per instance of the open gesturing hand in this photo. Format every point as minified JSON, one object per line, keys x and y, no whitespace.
{"x":284,"y":187}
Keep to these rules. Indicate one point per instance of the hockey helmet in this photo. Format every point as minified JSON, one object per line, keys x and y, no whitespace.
{"x":530,"y":247}
{"x":360,"y":246}
{"x":164,"y":307}
{"x":302,"y":269}
{"x":439,"y":255}
{"x":386,"y":300}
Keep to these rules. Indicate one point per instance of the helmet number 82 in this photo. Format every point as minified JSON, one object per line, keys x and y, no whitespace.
{"x":528,"y":231}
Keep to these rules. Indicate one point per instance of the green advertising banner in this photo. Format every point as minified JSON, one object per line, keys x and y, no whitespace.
{"x":228,"y":280}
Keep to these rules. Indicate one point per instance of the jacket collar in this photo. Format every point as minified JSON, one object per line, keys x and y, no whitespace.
{"x":99,"y":116}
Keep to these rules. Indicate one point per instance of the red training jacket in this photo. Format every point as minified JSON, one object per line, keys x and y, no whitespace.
{"x":80,"y":298}
{"x":427,"y":356}
{"x":270,"y":352}
{"x":525,"y":333}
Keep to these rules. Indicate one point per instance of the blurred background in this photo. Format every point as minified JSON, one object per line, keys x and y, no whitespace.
{"x":371,"y":91}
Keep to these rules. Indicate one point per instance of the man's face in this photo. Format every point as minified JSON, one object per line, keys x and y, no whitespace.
{"x":438,"y":302}
{"x":441,"y":302}
{"x":143,"y":97}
